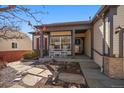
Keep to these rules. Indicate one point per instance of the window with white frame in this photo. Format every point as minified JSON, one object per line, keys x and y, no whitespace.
{"x":66,"y":42}
{"x":14,"y":45}
{"x":55,"y":41}
{"x":61,"y":42}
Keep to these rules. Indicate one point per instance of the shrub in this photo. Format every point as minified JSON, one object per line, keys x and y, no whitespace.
{"x":32,"y":55}
{"x":45,"y":52}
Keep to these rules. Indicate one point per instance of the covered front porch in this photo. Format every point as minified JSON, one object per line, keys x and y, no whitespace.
{"x":65,"y":39}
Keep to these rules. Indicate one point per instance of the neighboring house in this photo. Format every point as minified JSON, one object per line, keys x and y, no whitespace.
{"x":96,"y":38}
{"x":14,"y":45}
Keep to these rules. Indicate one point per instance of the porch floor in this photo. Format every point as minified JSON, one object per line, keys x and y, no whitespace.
{"x":77,"y":58}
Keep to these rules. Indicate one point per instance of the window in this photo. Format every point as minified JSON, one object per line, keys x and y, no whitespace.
{"x":14,"y":45}
{"x":61,"y":42}
{"x":55,"y":41}
{"x":66,"y":42}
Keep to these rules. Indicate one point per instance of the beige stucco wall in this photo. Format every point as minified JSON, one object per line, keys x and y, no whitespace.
{"x":60,"y":33}
{"x":87,"y":44}
{"x":22,"y":44}
{"x":118,"y":20}
{"x":98,"y":41}
{"x":80,"y":35}
{"x":98,"y":59}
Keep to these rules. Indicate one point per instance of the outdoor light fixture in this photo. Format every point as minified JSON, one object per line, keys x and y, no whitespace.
{"x":118,"y":29}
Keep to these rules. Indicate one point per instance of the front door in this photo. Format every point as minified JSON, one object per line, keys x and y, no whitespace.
{"x":79,"y":46}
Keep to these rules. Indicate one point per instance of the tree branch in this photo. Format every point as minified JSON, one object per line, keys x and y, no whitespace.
{"x":7,"y":8}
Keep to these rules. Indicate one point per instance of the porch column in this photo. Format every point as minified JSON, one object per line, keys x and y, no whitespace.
{"x":73,"y":43}
{"x":41,"y":44}
{"x":121,"y":43}
{"x":48,"y":43}
{"x":33,"y":41}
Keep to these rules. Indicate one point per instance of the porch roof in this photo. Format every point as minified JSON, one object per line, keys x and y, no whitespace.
{"x":79,"y":25}
{"x":65,"y":24}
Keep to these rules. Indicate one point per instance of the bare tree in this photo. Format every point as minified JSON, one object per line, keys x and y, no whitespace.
{"x":12,"y":16}
{"x":9,"y":32}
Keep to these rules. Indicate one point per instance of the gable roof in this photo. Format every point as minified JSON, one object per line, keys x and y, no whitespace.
{"x":99,"y":13}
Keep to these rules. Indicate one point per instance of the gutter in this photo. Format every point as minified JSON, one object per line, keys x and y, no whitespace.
{"x":99,"y":13}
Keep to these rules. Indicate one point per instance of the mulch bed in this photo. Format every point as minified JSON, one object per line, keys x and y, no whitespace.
{"x":58,"y":67}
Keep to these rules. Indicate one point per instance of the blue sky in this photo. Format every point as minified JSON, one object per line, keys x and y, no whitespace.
{"x":63,"y":13}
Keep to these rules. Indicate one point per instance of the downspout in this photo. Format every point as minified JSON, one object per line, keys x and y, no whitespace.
{"x":104,"y":36}
{"x":92,"y":41}
{"x":104,"y":33}
{"x":121,"y":54}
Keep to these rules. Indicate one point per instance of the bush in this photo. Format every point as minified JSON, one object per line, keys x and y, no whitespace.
{"x":45,"y":52}
{"x":32,"y":55}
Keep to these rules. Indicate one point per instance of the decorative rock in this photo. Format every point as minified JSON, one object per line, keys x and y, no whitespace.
{"x":20,"y":68}
{"x":17,"y":79}
{"x":14,"y":63}
{"x":45,"y":73}
{"x":31,"y":80}
{"x":35,"y":71}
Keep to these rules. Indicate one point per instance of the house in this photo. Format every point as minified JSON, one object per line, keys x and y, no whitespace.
{"x":63,"y":35}
{"x":98,"y":38}
{"x":13,"y":45}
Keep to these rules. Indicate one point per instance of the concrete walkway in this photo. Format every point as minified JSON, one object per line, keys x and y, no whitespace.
{"x":97,"y":79}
